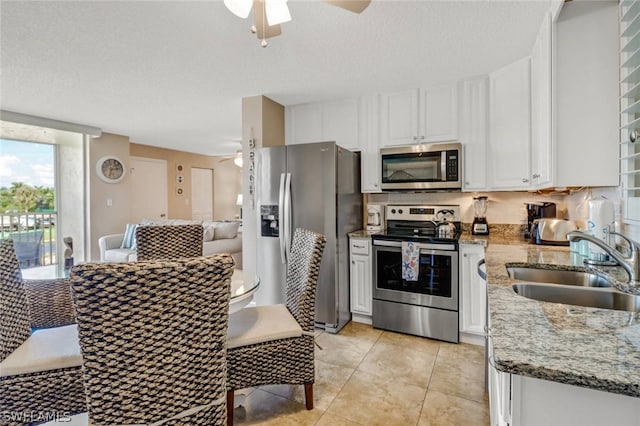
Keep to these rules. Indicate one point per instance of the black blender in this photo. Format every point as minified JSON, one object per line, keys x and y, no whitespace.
{"x":480,"y":225}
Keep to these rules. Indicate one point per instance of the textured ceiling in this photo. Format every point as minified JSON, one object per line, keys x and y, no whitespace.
{"x":173,"y":73}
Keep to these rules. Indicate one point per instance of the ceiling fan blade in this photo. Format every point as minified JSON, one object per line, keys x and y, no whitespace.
{"x":355,"y":6}
{"x":263,"y":30}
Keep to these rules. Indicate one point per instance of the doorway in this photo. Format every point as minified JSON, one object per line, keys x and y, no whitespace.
{"x":148,"y":188}
{"x":201,"y":194}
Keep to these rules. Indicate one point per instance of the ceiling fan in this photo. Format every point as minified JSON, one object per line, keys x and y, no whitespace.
{"x":237,"y":158}
{"x":269,"y":14}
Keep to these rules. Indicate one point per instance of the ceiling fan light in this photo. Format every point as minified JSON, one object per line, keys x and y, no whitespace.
{"x":240,"y":8}
{"x":237,"y":160}
{"x":277,"y":11}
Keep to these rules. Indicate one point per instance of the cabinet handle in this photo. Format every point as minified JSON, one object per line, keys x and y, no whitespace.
{"x":415,"y":138}
{"x":525,"y":180}
{"x":357,"y":246}
{"x":633,"y":135}
{"x":464,"y":255}
{"x":353,"y":262}
{"x":422,"y":137}
{"x":536,"y":175}
{"x":466,"y":183}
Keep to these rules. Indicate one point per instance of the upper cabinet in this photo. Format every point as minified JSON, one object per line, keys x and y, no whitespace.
{"x":324,"y":121}
{"x":419,"y":116}
{"x":541,"y":135}
{"x":370,"y":152}
{"x":508,"y":149}
{"x":473,"y":133}
{"x":585,"y":88}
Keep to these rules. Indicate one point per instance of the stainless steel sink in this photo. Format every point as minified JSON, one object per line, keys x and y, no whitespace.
{"x":604,"y":298}
{"x":555,"y":276}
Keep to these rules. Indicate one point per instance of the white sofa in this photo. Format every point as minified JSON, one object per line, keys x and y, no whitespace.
{"x":111,"y":251}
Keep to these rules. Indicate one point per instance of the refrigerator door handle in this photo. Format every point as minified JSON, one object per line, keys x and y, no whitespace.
{"x":281,"y":220}
{"x":287,"y":212}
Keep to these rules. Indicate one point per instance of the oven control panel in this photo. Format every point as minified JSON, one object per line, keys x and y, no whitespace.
{"x":432,"y":213}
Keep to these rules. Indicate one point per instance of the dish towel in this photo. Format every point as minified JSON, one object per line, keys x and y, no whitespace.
{"x":410,"y":261}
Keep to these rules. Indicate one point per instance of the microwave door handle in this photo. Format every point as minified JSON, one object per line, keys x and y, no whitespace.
{"x":443,"y":166}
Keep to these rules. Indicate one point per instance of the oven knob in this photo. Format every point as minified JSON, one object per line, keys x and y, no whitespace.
{"x":393,"y":211}
{"x":400,"y":211}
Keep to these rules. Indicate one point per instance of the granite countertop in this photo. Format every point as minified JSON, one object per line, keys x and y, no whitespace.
{"x":589,"y":347}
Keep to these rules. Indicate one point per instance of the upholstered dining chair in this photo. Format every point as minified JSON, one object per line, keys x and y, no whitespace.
{"x":153,"y":339}
{"x":274,"y":344}
{"x":40,"y":372}
{"x":154,"y":242}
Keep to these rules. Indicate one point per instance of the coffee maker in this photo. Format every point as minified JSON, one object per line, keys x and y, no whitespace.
{"x":375,"y":217}
{"x":538,"y":210}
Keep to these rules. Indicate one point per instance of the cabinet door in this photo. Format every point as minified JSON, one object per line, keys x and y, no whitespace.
{"x":399,"y":118}
{"x":439,"y":114}
{"x":473,"y":290}
{"x":473,"y":133}
{"x":305,"y":124}
{"x":340,"y":123}
{"x":541,"y":140}
{"x":360,"y":277}
{"x":369,"y":143}
{"x":509,"y":127}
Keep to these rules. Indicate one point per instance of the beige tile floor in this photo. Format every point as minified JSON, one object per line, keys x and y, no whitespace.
{"x":366,"y":376}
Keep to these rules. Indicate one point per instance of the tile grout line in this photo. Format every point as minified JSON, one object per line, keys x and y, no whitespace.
{"x":435,"y":360}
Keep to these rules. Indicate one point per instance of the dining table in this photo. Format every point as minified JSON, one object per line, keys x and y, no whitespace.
{"x":242,"y":289}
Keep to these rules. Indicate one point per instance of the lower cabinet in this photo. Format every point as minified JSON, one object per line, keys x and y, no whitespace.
{"x":525,"y":401}
{"x":360,"y":279}
{"x":473,"y":294}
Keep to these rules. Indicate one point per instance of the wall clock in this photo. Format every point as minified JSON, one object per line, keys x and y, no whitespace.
{"x":110,"y":169}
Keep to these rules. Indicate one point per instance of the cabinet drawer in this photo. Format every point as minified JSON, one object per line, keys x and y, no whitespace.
{"x":360,"y":247}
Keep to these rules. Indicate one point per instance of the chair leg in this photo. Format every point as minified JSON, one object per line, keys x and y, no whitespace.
{"x":230,"y":408}
{"x":308,"y":395}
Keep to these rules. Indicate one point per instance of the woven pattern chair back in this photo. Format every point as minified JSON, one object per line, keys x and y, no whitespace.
{"x":155,"y":242}
{"x":153,"y":339}
{"x":302,"y":276}
{"x":15,"y":324}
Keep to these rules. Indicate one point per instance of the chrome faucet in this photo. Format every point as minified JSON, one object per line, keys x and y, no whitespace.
{"x":631,"y":263}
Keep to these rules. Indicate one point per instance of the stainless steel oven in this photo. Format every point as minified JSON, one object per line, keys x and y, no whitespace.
{"x":427,"y":306}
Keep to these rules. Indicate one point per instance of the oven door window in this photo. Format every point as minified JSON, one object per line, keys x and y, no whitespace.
{"x":402,"y":168}
{"x":434,"y":278}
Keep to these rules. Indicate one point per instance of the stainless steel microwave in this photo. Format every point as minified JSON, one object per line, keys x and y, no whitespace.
{"x":422,"y":167}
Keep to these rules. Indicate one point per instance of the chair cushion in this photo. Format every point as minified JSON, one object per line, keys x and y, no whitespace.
{"x":261,"y":324}
{"x":118,"y":255}
{"x":46,"y":349}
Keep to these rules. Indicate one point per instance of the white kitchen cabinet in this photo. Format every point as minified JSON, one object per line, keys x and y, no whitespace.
{"x":473,"y":133}
{"x":304,"y":123}
{"x":370,"y":147}
{"x":399,"y":118}
{"x":439,"y":113}
{"x":586,"y":93}
{"x":473,"y":290}
{"x":541,"y":136}
{"x":324,"y":121}
{"x":419,"y":116}
{"x":509,"y":144}
{"x":526,"y":401}
{"x":360,"y":279}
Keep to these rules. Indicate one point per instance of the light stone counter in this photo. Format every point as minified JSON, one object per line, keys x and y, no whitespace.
{"x":589,"y":347}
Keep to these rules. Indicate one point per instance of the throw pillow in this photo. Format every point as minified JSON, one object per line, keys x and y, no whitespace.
{"x":209,"y":233}
{"x":129,"y":240}
{"x":224,"y":230}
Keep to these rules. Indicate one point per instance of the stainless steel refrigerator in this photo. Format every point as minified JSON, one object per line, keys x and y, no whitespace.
{"x":314,"y":186}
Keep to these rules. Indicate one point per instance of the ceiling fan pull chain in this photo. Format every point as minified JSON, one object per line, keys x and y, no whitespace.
{"x":263,"y":43}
